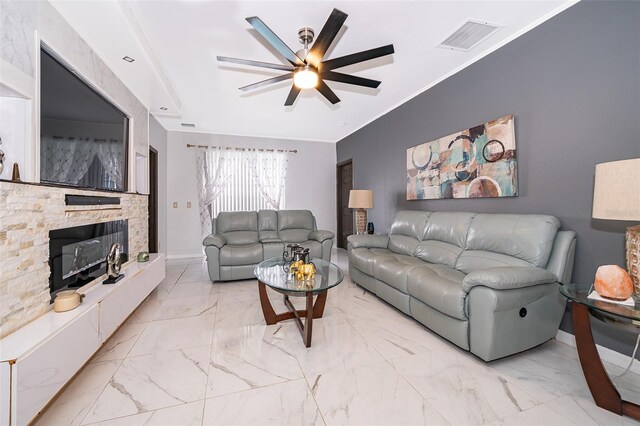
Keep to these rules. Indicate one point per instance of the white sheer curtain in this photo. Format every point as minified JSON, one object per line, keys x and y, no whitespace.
{"x":235,"y":180}
{"x":212,"y":177}
{"x":269,"y":173}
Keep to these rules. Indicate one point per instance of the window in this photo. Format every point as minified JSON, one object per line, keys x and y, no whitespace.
{"x":240,"y":192}
{"x":238,"y":180}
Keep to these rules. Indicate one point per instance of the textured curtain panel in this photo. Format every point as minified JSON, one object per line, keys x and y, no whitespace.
{"x":269,"y":173}
{"x":232,"y":180}
{"x":211,"y":178}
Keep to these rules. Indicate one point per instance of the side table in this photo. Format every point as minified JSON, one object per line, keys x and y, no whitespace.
{"x":602,"y":388}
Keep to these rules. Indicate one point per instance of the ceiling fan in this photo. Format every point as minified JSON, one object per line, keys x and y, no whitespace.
{"x":307,"y":68}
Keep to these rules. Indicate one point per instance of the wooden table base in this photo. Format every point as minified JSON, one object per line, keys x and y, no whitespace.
{"x":602,"y":389}
{"x":313,"y":310}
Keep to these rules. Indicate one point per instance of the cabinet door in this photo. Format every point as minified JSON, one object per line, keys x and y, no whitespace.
{"x":41,"y":374}
{"x":5,"y":392}
{"x":125,"y":298}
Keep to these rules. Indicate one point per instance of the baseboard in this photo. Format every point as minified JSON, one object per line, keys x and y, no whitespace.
{"x":183,"y":256}
{"x":606,"y":354}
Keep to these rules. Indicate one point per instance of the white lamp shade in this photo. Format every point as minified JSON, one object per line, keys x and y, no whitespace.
{"x":616,"y":191}
{"x":361,"y":199}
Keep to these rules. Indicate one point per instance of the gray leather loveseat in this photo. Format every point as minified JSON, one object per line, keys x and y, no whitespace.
{"x":486,"y":282}
{"x":241,"y":240}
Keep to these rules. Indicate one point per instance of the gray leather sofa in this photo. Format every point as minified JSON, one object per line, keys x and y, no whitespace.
{"x":486,"y":282}
{"x":241,"y":240}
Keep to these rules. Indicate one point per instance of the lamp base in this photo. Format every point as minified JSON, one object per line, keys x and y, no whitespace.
{"x":361,"y":221}
{"x":633,"y":256}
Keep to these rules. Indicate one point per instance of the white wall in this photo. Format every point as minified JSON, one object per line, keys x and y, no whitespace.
{"x":14,"y":125}
{"x":311,"y":183}
{"x":158,"y":140}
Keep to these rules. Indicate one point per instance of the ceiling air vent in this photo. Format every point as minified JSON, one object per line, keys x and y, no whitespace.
{"x":187,"y":125}
{"x":468,"y":35}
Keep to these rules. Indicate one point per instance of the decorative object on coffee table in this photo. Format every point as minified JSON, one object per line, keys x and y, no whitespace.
{"x":613,"y":282}
{"x":616,"y":196}
{"x":114,"y":262}
{"x":361,"y":199}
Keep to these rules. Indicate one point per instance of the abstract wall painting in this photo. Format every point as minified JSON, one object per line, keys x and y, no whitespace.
{"x":479,"y":162}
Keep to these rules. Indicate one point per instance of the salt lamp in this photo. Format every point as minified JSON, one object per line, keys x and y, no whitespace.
{"x":613,"y":282}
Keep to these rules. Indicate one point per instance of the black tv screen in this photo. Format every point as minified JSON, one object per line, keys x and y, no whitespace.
{"x":83,"y":137}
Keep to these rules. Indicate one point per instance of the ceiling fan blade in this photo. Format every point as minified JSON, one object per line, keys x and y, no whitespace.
{"x":254,"y":63}
{"x":267,"y":81}
{"x":274,"y":40}
{"x":293,"y":94}
{"x":354,"y":58}
{"x":327,"y":92}
{"x":325,"y":38}
{"x":350,"y":79}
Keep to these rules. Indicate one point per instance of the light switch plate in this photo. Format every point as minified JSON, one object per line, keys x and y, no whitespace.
{"x":175,"y":205}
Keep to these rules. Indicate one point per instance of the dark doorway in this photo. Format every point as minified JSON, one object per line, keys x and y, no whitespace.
{"x":153,"y":200}
{"x":344,"y":179}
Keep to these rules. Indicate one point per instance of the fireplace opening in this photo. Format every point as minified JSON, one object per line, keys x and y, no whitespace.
{"x":78,"y":255}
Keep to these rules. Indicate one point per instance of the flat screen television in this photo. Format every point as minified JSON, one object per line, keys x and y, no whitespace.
{"x":83,"y":137}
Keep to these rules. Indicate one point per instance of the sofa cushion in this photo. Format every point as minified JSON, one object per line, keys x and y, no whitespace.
{"x":294,"y":226}
{"x":475,"y":260}
{"x":235,"y":255}
{"x":362,"y":258}
{"x":393,"y":271}
{"x":238,"y":227}
{"x":402,"y":244}
{"x":494,"y":238}
{"x":444,"y":237}
{"x":268,"y":225}
{"x":406,"y":231}
{"x":439,"y":287}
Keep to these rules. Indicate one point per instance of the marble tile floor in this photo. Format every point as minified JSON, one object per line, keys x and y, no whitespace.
{"x":197,"y":353}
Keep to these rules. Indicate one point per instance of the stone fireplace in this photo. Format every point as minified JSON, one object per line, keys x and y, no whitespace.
{"x":28,"y":212}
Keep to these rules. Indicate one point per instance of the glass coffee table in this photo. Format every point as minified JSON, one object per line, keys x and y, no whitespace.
{"x":602,"y":388}
{"x":271,"y":273}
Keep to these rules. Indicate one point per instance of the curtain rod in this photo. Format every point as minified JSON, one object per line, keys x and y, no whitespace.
{"x":293,"y":151}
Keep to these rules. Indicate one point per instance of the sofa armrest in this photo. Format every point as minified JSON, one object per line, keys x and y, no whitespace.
{"x":214,"y":240}
{"x":321,"y":236}
{"x":508,"y":277}
{"x":368,"y":241}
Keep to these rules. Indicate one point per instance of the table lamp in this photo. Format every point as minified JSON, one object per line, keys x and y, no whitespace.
{"x":361,"y":199}
{"x":616,"y":196}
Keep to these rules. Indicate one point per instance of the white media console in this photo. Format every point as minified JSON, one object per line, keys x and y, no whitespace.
{"x":37,"y":360}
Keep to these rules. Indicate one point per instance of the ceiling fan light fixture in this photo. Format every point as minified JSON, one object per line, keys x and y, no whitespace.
{"x":305,"y":78}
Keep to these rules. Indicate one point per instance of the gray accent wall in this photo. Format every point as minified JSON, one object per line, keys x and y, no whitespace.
{"x":573,"y":84}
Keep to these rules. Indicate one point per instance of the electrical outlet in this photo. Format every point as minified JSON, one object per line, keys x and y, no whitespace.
{"x":188,"y":204}
{"x":175,"y":205}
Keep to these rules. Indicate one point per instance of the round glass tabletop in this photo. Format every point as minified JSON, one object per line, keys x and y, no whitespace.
{"x":611,"y":310}
{"x":272,"y":273}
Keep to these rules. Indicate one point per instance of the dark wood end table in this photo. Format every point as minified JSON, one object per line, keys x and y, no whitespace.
{"x":602,"y":388}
